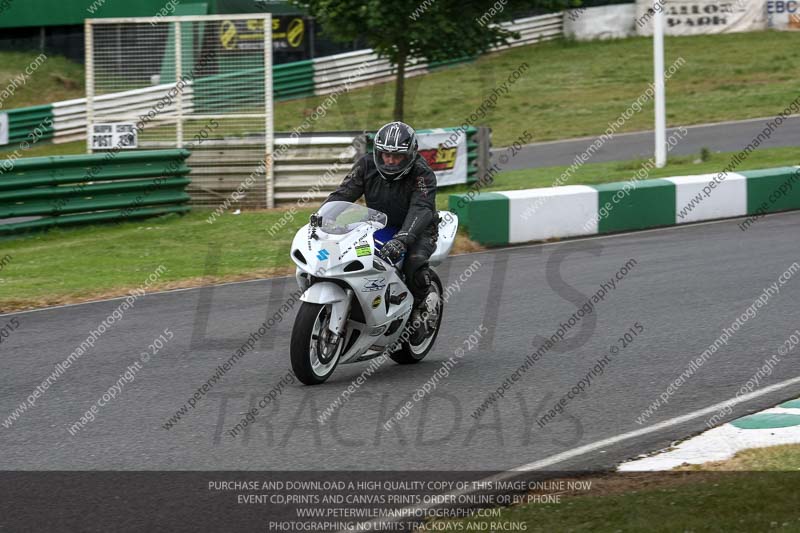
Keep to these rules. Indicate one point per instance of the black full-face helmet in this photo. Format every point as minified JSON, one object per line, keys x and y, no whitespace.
{"x":395,"y":138}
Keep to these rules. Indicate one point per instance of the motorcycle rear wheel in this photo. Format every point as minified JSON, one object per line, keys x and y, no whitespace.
{"x":408,"y":353}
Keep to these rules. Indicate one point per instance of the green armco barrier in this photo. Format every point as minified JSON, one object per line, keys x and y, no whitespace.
{"x":290,"y":80}
{"x":93,"y":188}
{"x":465,"y":59}
{"x":58,"y":170}
{"x":102,"y":159}
{"x":37,"y":179}
{"x":97,"y":202}
{"x":26,"y":120}
{"x":472,"y":156}
{"x":36,"y":193}
{"x":91,"y":218}
{"x":293,"y":80}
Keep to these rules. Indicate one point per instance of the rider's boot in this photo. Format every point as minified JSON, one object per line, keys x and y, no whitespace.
{"x":426,"y":304}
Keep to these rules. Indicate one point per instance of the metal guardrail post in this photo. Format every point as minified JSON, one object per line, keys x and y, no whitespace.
{"x":484,"y":139}
{"x":361,"y":144}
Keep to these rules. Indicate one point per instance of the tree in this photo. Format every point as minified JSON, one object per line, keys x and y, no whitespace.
{"x":433,"y":30}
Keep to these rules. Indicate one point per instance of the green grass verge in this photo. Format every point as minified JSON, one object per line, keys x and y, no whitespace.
{"x":756,"y":490}
{"x":569,"y":90}
{"x":66,"y":263}
{"x":785,"y":457}
{"x":575,"y":89}
{"x":73,"y":263}
{"x":43,"y":148}
{"x":740,"y":502}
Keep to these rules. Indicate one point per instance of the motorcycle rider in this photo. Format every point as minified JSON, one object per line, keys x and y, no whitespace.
{"x":396,"y":180}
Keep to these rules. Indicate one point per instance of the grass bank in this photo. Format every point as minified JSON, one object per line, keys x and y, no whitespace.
{"x":661,"y":502}
{"x":569,"y":89}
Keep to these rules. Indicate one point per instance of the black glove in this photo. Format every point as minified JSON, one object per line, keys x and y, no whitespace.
{"x":393,"y":249}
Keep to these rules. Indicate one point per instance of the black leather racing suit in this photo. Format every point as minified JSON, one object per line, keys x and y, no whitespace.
{"x":409,"y":204}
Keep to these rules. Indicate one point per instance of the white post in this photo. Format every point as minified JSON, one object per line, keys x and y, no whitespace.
{"x":269,"y":124}
{"x":658,"y":68}
{"x":178,"y":77}
{"x":88,"y":45}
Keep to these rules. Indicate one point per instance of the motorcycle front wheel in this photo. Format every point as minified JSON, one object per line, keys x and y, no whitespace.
{"x":314,"y":355}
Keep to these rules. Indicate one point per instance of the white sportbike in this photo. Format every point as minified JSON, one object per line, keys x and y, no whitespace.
{"x":355,"y":304}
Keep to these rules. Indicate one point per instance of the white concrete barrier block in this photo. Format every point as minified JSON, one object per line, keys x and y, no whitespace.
{"x":709,"y":196}
{"x":538,"y":214}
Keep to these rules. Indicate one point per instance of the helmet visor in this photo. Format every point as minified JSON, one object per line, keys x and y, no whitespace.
{"x":392,"y":163}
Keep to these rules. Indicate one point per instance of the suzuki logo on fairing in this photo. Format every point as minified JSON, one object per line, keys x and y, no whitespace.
{"x":323,"y":254}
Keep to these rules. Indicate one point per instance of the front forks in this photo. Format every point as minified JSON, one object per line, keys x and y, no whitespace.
{"x":339,"y":312}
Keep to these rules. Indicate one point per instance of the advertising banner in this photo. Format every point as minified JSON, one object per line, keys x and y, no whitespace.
{"x":783,"y":14}
{"x":288,"y":34}
{"x":696,"y":17}
{"x":445,"y":154}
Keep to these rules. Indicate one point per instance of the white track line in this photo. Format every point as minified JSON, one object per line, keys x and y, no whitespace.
{"x":563,"y":456}
{"x":582,"y":450}
{"x":490,"y":251}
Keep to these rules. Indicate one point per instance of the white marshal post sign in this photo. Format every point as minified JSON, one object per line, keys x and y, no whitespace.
{"x":3,"y":129}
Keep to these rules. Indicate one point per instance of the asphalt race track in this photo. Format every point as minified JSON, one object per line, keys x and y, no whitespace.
{"x":717,"y":137}
{"x":687,"y":283}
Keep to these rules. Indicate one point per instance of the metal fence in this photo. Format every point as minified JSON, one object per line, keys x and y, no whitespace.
{"x":231,"y":171}
{"x":310,"y":167}
{"x":203,"y":83}
{"x":197,"y":82}
{"x":331,"y":72}
{"x":536,"y":29}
